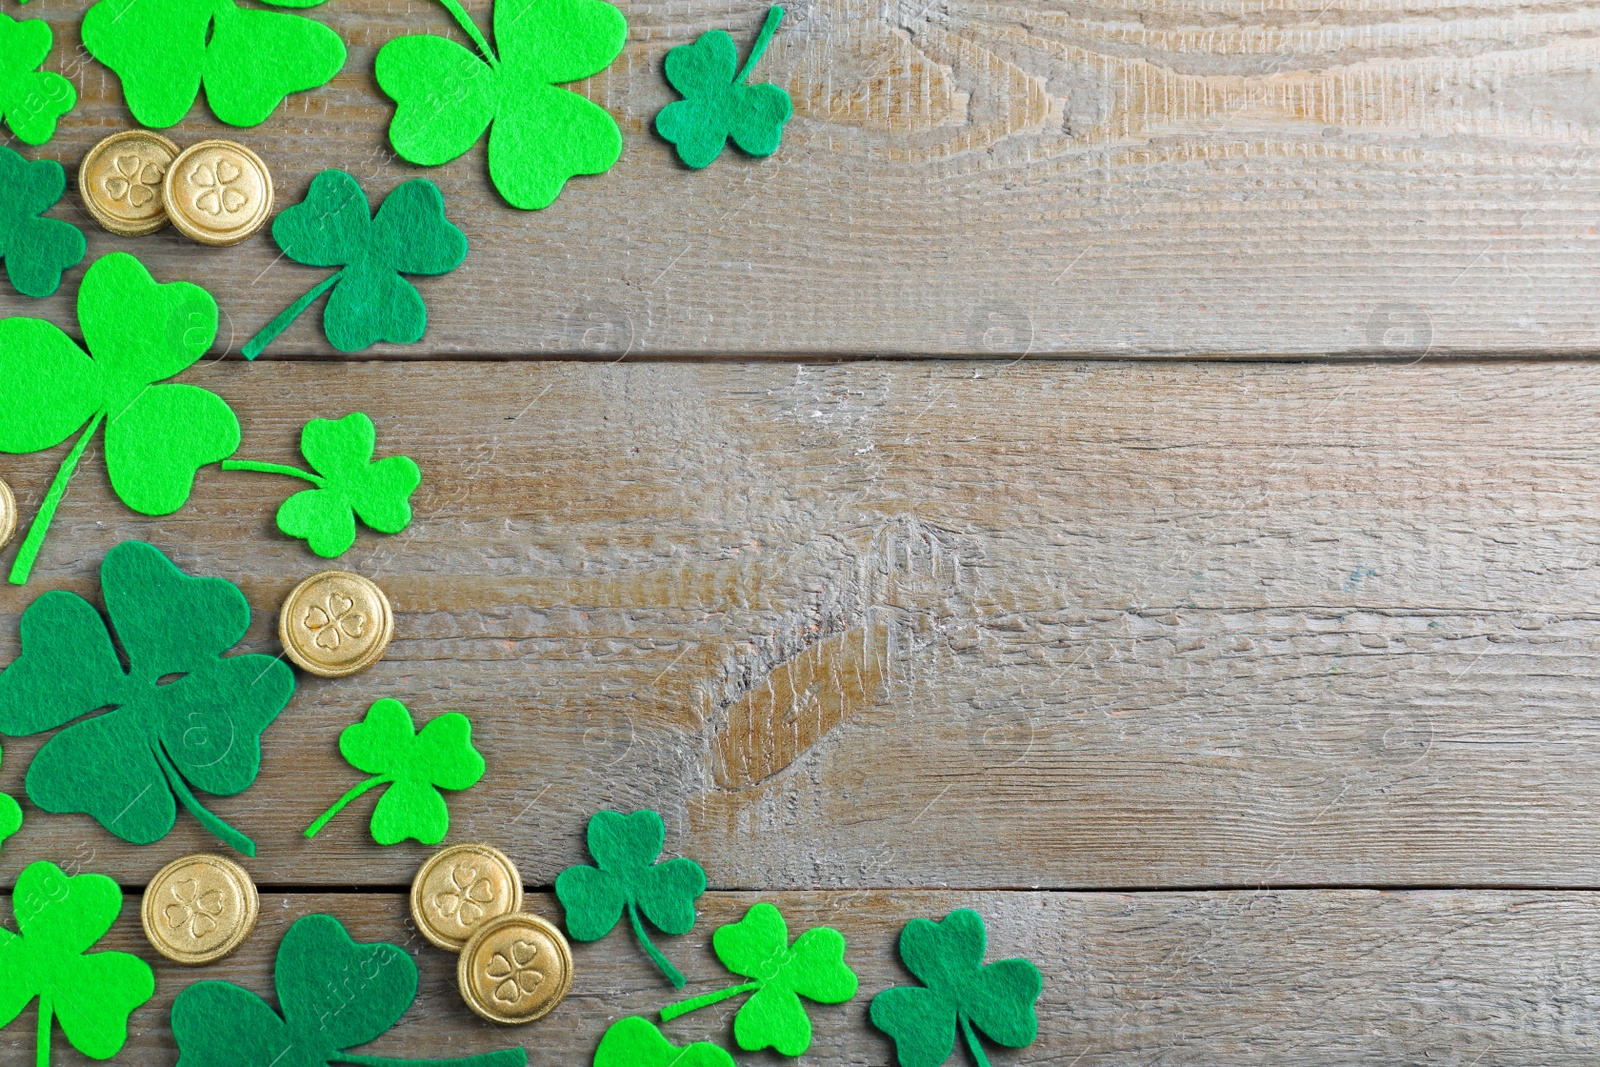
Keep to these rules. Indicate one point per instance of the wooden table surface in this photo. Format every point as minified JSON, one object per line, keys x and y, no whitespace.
{"x":1249,"y":690}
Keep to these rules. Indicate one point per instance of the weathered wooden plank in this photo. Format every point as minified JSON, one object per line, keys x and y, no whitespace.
{"x":1064,"y":625}
{"x":994,"y":179}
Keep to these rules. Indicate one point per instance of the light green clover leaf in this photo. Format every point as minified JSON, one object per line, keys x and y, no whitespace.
{"x":635,"y":1042}
{"x":31,"y":99}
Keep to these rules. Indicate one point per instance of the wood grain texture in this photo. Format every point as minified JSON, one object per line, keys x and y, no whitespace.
{"x":896,"y":625}
{"x":991,"y":179}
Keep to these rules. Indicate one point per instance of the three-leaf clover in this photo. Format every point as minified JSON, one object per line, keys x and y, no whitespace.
{"x":717,"y":104}
{"x":757,"y":947}
{"x":334,"y":227}
{"x":414,"y":765}
{"x":635,"y":1042}
{"x":91,"y":994}
{"x":958,"y":992}
{"x":31,"y":99}
{"x":626,"y":848}
{"x":348,"y":483}
{"x":334,"y":993}
{"x":36,"y":250}
{"x":161,"y":734}
{"x":157,"y":436}
{"x":541,"y":135}
{"x":248,"y":59}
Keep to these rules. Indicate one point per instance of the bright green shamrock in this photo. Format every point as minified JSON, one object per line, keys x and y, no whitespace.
{"x":334,"y":227}
{"x":635,"y":1042}
{"x":161,"y":734}
{"x":36,"y":250}
{"x":542,"y":135}
{"x":91,"y":994}
{"x":10,"y":815}
{"x":31,"y":99}
{"x":157,"y":436}
{"x":348,"y":483}
{"x":414,"y":765}
{"x":717,"y":104}
{"x":334,"y":993}
{"x":626,"y":848}
{"x":248,"y":59}
{"x":958,"y":992}
{"x":757,"y":947}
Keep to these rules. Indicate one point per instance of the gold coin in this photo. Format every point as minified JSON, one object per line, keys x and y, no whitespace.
{"x":218,"y":192}
{"x":120,"y":182}
{"x":514,"y":969}
{"x":335,"y":624}
{"x":459,"y":889}
{"x":8,"y":514}
{"x":199,"y":908}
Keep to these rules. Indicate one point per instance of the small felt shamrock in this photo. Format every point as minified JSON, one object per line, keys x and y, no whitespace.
{"x":635,"y":1042}
{"x":10,"y":815}
{"x":717,"y":104}
{"x":36,"y":250}
{"x":958,"y":992}
{"x":31,"y":99}
{"x":91,"y":994}
{"x":249,"y":59}
{"x":161,"y":735}
{"x":757,"y":947}
{"x":541,"y":135}
{"x":334,"y":993}
{"x":348,"y":483}
{"x":626,"y":847}
{"x":414,"y":765}
{"x":334,"y":227}
{"x":157,"y":436}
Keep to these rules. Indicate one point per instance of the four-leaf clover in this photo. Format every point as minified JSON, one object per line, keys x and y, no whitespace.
{"x":36,"y":250}
{"x":91,"y":994}
{"x":414,"y":765}
{"x":626,"y":848}
{"x":31,"y":99}
{"x":539,"y":134}
{"x":958,"y":992}
{"x":161,"y":735}
{"x":635,"y":1042}
{"x":717,"y":104}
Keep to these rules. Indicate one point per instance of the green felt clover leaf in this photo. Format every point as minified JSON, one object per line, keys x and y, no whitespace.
{"x":757,"y":947}
{"x":626,"y":847}
{"x":540,"y":135}
{"x":162,"y":734}
{"x":958,"y":992}
{"x":348,"y":483}
{"x":31,"y":99}
{"x":334,"y":994}
{"x":717,"y":104}
{"x":91,"y":994}
{"x":157,"y":436}
{"x":334,"y":227}
{"x":36,"y":250}
{"x":415,"y":766}
{"x":635,"y":1042}
{"x":248,"y":59}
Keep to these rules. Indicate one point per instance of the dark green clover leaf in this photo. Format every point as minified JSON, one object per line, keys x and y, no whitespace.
{"x":958,"y":992}
{"x":348,"y":483}
{"x":635,"y":1042}
{"x":334,"y":227}
{"x":626,"y":848}
{"x":334,"y":993}
{"x":757,"y":947}
{"x":36,"y":250}
{"x":717,"y":104}
{"x":31,"y":99}
{"x":162,"y":734}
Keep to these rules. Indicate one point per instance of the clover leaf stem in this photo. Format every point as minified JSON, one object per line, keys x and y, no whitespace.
{"x":506,"y":1057}
{"x":663,"y":964}
{"x":338,"y":806}
{"x":46,"y":1017}
{"x":269,"y":333}
{"x":972,"y":1041}
{"x":23,"y":565}
{"x":768,"y":28}
{"x":705,"y":1000}
{"x":464,"y":20}
{"x":219,"y":829}
{"x":272,"y":468}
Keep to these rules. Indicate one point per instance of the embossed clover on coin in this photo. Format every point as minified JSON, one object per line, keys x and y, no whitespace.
{"x":193,"y":909}
{"x":469,"y":892}
{"x":133,"y":180}
{"x":218,"y":196}
{"x":514,"y":973}
{"x":334,"y":620}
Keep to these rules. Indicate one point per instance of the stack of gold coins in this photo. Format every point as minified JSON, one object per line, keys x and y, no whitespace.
{"x":335,"y":624}
{"x":121,"y":178}
{"x":198,"y":909}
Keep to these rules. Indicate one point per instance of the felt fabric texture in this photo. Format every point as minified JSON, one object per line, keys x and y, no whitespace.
{"x":32,"y":100}
{"x":348,"y":483}
{"x":628,"y":878}
{"x":635,"y":1042}
{"x":371,"y":302}
{"x":10,"y":816}
{"x":91,"y":994}
{"x":958,"y":993}
{"x":757,"y":947}
{"x":248,"y":60}
{"x":717,"y":104}
{"x":540,"y":135}
{"x":415,"y":766}
{"x":36,"y":250}
{"x":129,"y":766}
{"x":334,"y":994}
{"x":157,"y":436}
